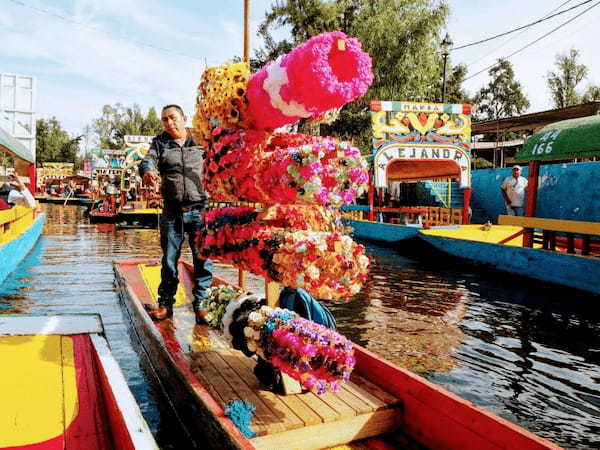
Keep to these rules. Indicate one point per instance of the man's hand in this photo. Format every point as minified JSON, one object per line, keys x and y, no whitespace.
{"x":150,"y":179}
{"x":16,"y":182}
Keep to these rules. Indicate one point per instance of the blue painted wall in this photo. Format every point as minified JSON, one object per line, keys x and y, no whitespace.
{"x":566,"y":191}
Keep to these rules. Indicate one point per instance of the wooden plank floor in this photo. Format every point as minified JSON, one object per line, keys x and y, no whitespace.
{"x":361,"y":409}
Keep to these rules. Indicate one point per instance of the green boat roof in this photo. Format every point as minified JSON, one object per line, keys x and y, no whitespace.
{"x":14,"y":147}
{"x":574,"y":138}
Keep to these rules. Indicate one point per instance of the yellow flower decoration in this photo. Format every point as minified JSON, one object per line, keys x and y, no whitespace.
{"x":221,"y":99}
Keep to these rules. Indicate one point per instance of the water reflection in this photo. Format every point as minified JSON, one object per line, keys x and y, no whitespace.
{"x":409,"y":317}
{"x":527,"y":351}
{"x":522,"y":349}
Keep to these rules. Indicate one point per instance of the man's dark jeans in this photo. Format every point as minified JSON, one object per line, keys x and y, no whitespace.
{"x":173,"y":227}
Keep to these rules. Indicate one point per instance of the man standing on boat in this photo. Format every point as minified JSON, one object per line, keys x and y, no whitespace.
{"x":513,"y":191}
{"x":177,"y":160}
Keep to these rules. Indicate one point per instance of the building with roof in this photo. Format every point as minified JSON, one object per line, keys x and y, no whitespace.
{"x":499,"y":140}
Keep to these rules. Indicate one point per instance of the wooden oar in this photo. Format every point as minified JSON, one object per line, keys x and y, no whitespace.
{"x":67,"y":199}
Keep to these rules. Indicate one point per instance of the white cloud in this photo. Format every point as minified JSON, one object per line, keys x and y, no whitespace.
{"x":102,"y":61}
{"x":471,"y":21}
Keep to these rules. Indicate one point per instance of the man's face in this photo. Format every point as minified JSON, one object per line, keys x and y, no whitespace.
{"x":174,"y":123}
{"x":516,"y":173}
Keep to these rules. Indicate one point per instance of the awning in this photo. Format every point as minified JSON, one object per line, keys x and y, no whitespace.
{"x":568,"y":139}
{"x":14,"y":147}
{"x":414,"y":170}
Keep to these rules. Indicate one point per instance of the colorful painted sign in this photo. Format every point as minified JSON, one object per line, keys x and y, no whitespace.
{"x":107,"y":162}
{"x":54,"y":171}
{"x":421,"y":132}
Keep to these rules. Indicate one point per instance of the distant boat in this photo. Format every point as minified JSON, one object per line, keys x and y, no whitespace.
{"x":20,"y":228}
{"x":78,"y":201}
{"x":62,"y":388}
{"x":383,"y":406}
{"x":384,"y":232}
{"x":472,"y":243}
{"x":147,"y":217}
{"x":561,"y":251}
{"x":99,"y":215}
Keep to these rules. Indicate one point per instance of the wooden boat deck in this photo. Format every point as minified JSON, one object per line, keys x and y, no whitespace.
{"x":360,"y":410}
{"x":383,"y":407}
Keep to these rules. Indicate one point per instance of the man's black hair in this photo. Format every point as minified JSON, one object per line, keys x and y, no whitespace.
{"x":177,"y":107}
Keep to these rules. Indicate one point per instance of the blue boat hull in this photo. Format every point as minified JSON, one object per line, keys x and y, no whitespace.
{"x":386,"y":232}
{"x":13,"y":252}
{"x":569,"y":270}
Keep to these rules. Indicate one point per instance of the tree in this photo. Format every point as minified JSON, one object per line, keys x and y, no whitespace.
{"x":402,"y":37}
{"x":503,"y":96}
{"x":564,"y":81}
{"x":118,"y":121}
{"x":454,"y":90}
{"x":53,"y":144}
{"x":591,"y":94}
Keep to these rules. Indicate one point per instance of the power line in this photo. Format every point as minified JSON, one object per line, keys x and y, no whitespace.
{"x":111,"y":34}
{"x":536,"y":40}
{"x":490,"y":52}
{"x":522,"y":27}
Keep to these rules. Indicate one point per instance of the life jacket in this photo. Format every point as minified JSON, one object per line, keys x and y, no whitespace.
{"x":299,"y":301}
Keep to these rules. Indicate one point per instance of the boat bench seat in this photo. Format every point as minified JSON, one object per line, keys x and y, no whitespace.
{"x":565,"y":226}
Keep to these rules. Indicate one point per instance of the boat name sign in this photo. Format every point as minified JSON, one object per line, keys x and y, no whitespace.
{"x":392,"y":152}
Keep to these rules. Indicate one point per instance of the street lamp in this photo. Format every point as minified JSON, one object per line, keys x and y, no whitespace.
{"x":446,"y":44}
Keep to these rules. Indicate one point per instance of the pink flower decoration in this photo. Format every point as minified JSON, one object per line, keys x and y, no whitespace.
{"x":320,"y":77}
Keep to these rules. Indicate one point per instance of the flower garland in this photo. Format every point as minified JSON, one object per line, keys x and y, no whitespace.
{"x":326,"y":72}
{"x":327,"y":265}
{"x":302,"y":217}
{"x":283,"y":168}
{"x":319,"y":358}
{"x":221,"y":99}
{"x":216,"y":301}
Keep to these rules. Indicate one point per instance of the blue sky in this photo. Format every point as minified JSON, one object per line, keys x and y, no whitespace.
{"x":87,"y":53}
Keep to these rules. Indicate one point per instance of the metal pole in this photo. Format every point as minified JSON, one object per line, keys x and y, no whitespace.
{"x":246,"y":30}
{"x":445,"y":56}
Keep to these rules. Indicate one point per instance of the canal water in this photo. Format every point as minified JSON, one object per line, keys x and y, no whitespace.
{"x":526,"y":351}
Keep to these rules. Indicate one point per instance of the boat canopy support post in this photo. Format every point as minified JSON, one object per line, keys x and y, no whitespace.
{"x":531,"y":202}
{"x":32,"y":178}
{"x":371,"y":217}
{"x":466,"y":216}
{"x":272,"y":290}
{"x":241,"y":279}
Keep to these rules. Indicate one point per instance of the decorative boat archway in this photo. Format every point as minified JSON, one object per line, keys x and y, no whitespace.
{"x":415,"y":142}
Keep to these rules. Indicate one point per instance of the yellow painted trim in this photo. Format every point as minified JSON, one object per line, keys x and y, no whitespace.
{"x":151,"y":277}
{"x":14,"y":222}
{"x":480,"y":233}
{"x":39,"y":388}
{"x":148,"y":211}
{"x":566,"y":226}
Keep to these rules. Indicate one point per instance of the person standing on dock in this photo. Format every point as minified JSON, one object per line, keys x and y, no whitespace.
{"x":513,"y":192}
{"x":177,"y":160}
